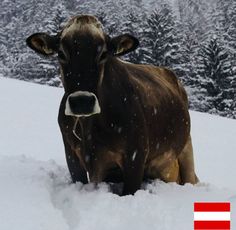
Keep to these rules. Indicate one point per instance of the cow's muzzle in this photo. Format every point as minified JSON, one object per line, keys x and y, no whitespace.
{"x":82,"y":104}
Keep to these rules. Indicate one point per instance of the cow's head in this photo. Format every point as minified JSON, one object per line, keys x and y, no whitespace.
{"x":82,"y":49}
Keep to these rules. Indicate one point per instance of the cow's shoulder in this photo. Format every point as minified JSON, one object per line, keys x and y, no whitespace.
{"x":164,"y":74}
{"x":158,"y":76}
{"x":171,"y":79}
{"x":158,"y":72}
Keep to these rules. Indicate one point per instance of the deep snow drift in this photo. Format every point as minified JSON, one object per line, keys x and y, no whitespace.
{"x":35,"y":190}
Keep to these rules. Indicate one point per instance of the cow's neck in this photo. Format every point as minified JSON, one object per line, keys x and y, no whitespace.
{"x":113,"y":91}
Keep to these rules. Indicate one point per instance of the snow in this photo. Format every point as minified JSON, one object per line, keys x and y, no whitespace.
{"x":134,"y":155}
{"x":36,"y":192}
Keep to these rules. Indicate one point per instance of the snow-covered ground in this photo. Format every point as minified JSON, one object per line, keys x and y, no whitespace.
{"x":35,"y":193}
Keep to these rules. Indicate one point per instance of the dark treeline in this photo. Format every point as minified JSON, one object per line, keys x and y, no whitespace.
{"x":195,"y":38}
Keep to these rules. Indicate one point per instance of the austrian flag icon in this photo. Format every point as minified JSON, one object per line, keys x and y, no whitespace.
{"x":208,"y":215}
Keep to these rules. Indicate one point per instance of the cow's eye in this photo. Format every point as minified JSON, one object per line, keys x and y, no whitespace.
{"x":61,"y":55}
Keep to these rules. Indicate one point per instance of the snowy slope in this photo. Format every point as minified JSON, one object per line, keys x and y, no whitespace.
{"x":36,"y":194}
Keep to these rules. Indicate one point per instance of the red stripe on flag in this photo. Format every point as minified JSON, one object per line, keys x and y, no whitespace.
{"x":212,"y":225}
{"x":212,"y":207}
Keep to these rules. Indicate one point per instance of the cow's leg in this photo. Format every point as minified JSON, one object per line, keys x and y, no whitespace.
{"x":77,"y":172}
{"x":133,"y":165}
{"x":186,"y":164}
{"x":133,"y":175}
{"x":137,"y":149}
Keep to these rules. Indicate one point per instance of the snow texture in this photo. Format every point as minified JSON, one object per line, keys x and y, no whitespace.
{"x":36,"y":192}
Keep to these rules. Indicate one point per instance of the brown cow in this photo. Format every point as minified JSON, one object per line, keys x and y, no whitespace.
{"x":119,"y":121}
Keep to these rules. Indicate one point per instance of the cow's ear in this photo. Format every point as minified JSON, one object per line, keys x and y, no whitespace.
{"x":43,"y":43}
{"x":123,"y":44}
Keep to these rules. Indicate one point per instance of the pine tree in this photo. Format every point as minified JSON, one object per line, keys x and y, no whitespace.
{"x":133,"y":25}
{"x":230,"y":35}
{"x":57,"y":18}
{"x":160,"y":35}
{"x":37,"y":16}
{"x":193,"y":27}
{"x":108,"y":25}
{"x":192,"y":17}
{"x":187,"y":68}
{"x":215,"y":72}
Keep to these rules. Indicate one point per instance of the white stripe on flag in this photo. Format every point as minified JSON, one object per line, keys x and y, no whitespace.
{"x":211,"y":216}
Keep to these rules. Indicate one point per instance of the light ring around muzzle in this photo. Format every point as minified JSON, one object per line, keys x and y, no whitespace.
{"x":76,"y":98}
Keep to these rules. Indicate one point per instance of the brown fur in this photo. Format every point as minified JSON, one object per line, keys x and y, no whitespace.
{"x":143,"y":130}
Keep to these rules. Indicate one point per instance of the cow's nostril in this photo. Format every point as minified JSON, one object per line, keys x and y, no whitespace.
{"x":82,"y":103}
